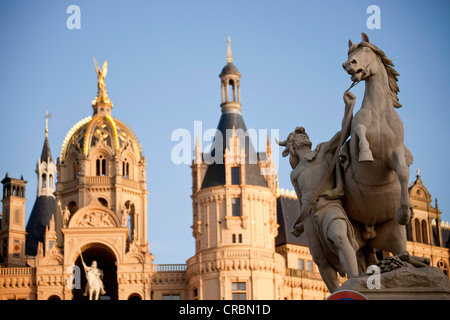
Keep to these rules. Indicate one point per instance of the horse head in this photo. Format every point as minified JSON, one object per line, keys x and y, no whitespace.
{"x":359,"y":64}
{"x":366,"y":60}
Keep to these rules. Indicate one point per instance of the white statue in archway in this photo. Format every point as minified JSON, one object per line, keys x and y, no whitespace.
{"x":94,"y":276}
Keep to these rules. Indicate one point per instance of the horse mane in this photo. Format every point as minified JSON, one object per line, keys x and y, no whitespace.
{"x":388,"y":65}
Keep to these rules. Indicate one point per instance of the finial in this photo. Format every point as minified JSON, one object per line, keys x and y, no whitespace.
{"x":229,"y":56}
{"x":102,"y":95}
{"x":197,"y":152}
{"x":47,"y":116}
{"x":418,"y":172}
{"x":197,"y":144}
{"x":268,"y":147}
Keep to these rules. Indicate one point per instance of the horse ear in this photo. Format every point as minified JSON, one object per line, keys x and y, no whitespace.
{"x":364,"y":37}
{"x":350,"y":43}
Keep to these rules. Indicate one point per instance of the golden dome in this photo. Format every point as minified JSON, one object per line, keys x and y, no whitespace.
{"x":104,"y":131}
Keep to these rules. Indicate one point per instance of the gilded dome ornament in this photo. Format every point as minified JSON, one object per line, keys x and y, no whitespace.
{"x":102,"y":95}
{"x":101,"y":130}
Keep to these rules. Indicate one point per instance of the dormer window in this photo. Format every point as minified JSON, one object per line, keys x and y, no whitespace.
{"x":235,"y":175}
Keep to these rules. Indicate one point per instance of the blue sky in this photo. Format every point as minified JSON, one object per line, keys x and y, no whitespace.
{"x":164,"y":58}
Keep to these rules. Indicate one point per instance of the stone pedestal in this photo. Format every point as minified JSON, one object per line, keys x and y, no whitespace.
{"x":406,"y":283}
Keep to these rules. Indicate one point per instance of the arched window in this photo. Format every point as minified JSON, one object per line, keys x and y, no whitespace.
{"x":418,"y":233}
{"x":126,"y":169}
{"x":50,"y":181}
{"x":72,"y":206}
{"x":75,"y":170}
{"x":101,"y":166}
{"x":231,"y":93}
{"x":424,"y":232}
{"x":44,"y":181}
{"x":103,"y":201}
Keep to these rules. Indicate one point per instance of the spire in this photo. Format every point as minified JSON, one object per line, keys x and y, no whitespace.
{"x":268,"y":147}
{"x":197,"y":152}
{"x":229,"y":55}
{"x":231,"y":123}
{"x":45,"y":168}
{"x":46,"y":154}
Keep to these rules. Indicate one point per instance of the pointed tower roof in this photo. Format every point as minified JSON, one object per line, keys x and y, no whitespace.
{"x":230,"y":120}
{"x":43,"y":210}
{"x":45,"y":205}
{"x":46,"y":154}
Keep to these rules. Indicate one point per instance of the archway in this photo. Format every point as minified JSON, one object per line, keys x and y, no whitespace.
{"x":135,"y":297}
{"x":106,"y":261}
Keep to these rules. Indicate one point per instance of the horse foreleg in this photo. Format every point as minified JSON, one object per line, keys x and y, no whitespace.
{"x":364,"y":152}
{"x":400,"y":166}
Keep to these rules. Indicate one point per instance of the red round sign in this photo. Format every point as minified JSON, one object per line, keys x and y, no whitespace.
{"x":347,"y":295}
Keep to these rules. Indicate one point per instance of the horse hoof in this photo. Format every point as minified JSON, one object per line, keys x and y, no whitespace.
{"x":365,"y":155}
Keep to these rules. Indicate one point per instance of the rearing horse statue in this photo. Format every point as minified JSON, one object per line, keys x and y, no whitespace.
{"x":375,"y":160}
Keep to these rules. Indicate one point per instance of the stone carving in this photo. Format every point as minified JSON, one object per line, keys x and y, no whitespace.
{"x":330,"y":234}
{"x":65,"y":214}
{"x":125,"y":213}
{"x":402,"y":277}
{"x":96,"y":219}
{"x":82,"y":167}
{"x":118,"y":167}
{"x":402,"y":260}
{"x":362,"y":200}
{"x":94,"y":287}
{"x":375,"y":159}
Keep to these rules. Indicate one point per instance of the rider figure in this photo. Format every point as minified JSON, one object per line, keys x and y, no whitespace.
{"x":93,"y":275}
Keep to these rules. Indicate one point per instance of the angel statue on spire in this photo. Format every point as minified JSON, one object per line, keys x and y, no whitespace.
{"x":101,"y":74}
